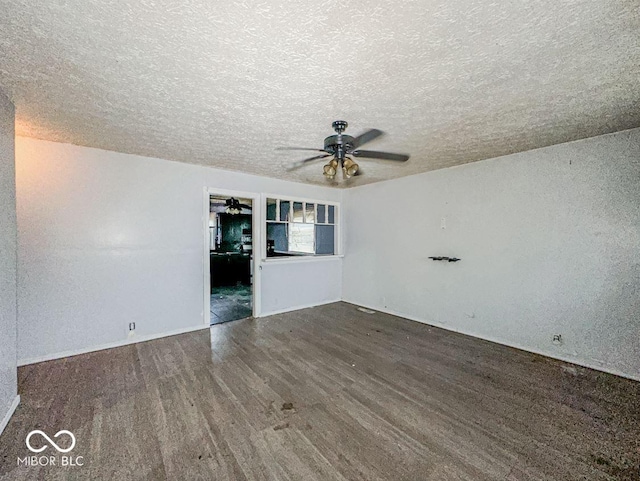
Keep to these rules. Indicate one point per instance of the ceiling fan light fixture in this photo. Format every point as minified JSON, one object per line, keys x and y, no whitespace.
{"x":329,"y":171}
{"x":331,"y":168}
{"x":234,"y":206}
{"x":350,"y":167}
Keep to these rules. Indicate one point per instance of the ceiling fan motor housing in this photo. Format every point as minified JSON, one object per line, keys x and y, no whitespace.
{"x":335,"y":144}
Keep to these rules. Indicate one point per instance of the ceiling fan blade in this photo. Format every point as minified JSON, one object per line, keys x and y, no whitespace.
{"x":373,"y":154}
{"x":245,"y":206}
{"x":368,"y":136}
{"x":302,"y":162}
{"x":299,"y":148}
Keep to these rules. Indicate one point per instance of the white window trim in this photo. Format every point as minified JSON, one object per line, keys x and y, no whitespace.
{"x":297,"y":259}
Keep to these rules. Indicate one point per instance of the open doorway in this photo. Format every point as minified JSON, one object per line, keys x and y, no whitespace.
{"x":230,"y":258}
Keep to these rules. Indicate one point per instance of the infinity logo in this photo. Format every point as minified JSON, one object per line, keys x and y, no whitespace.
{"x":50,"y":441}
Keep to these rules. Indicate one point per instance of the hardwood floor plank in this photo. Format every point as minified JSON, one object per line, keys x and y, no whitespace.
{"x":329,"y":393}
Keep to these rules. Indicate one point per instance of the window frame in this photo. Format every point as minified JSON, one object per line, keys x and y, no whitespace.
{"x":300,"y":257}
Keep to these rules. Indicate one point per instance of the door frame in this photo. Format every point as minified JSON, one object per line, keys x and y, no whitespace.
{"x":256,"y":210}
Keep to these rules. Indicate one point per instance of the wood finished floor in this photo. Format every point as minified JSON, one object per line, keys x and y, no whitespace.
{"x":328,"y":393}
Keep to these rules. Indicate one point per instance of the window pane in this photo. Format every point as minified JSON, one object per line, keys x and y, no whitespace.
{"x":271,"y":209}
{"x":310,"y":213}
{"x":321,"y":214}
{"x":325,"y":235}
{"x":276,"y":238}
{"x":301,"y":238}
{"x":297,"y":212}
{"x":284,"y":210}
{"x":331,"y":214}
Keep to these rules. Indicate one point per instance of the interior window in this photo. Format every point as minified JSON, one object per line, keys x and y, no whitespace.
{"x":310,"y":213}
{"x":297,"y":228}
{"x":321,"y":213}
{"x":298,"y":214}
{"x":284,"y":210}
{"x":272,"y":209}
{"x":301,"y":238}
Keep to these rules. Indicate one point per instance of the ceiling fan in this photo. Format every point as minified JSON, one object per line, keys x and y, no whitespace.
{"x":342,"y":147}
{"x":234,"y":206}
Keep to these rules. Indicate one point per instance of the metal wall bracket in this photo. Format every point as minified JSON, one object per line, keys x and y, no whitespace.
{"x":447,"y":259}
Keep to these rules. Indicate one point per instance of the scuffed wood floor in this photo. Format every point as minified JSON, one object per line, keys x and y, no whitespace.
{"x":329,"y":393}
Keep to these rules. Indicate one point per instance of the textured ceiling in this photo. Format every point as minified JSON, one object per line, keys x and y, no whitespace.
{"x":225,"y":83}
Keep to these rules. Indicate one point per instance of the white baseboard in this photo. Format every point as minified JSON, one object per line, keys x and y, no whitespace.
{"x":569,"y":359}
{"x":126,"y":342}
{"x":12,"y":408}
{"x":297,"y":308}
{"x":109,"y":345}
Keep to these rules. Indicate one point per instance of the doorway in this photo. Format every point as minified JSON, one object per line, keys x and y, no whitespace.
{"x":230,"y":243}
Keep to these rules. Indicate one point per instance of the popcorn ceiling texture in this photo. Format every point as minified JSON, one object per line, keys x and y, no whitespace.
{"x":225,"y":83}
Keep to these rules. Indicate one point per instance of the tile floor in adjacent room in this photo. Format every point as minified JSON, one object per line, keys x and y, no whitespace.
{"x":230,"y":303}
{"x":328,"y":393}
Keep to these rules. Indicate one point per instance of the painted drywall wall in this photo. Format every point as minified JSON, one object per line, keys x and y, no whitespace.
{"x":8,"y":369}
{"x":308,"y":292}
{"x":549,"y":241}
{"x":105,"y":239}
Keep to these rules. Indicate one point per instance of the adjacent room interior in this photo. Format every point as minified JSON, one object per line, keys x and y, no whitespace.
{"x":230,"y":258}
{"x":318,"y":241}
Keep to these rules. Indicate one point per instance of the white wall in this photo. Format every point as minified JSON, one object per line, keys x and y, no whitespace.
{"x":8,"y":370}
{"x":325,"y":285}
{"x":549,"y":241}
{"x":105,"y":239}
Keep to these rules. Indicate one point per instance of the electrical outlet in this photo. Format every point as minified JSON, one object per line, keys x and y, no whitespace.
{"x":132,"y":326}
{"x":557,"y":339}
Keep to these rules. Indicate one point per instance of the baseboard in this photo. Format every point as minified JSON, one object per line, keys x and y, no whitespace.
{"x":109,"y":345}
{"x":12,"y":408}
{"x":297,"y":308}
{"x":568,"y":359}
{"x":126,"y":342}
